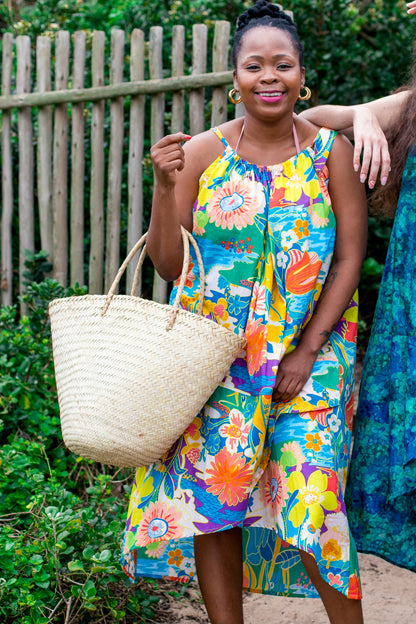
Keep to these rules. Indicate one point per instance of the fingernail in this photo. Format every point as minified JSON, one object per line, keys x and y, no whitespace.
{"x":383,"y":181}
{"x":355,"y":167}
{"x":371,"y":184}
{"x":188,"y":136}
{"x":362,"y":178}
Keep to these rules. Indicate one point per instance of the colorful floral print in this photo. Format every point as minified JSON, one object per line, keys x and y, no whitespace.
{"x":381,"y":487}
{"x":267,"y":236}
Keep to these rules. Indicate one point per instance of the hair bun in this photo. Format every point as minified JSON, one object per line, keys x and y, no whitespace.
{"x":262,"y":8}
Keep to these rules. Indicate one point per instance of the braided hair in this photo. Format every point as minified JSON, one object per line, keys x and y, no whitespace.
{"x":263,"y":13}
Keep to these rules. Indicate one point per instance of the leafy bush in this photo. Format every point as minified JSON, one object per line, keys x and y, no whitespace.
{"x":61,"y":517}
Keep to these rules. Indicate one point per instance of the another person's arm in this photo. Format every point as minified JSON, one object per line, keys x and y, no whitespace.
{"x":366,"y":123}
{"x":350,"y":208}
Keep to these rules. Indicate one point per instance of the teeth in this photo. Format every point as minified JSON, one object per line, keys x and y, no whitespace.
{"x":272,"y":94}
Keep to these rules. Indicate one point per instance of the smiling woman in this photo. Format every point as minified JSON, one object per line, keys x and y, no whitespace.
{"x":251,"y":495}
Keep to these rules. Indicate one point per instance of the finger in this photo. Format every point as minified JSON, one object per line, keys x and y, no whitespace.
{"x":358,"y":146}
{"x":172,"y":139}
{"x":385,"y":164}
{"x":411,"y":8}
{"x":374,"y":169}
{"x":365,"y":163}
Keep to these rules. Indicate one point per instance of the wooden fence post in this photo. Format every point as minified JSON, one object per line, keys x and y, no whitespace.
{"x":112,"y":256}
{"x":136,"y":142}
{"x":44,"y":152}
{"x":6,"y":178}
{"x":26,"y":212}
{"x":157,"y":126}
{"x":77,"y":167}
{"x":220,"y":63}
{"x":60,"y":163}
{"x":96,"y":269}
{"x":199,"y":66}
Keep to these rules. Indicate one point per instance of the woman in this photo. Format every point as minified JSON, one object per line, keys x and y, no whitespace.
{"x":254,"y":487}
{"x":382,"y":479}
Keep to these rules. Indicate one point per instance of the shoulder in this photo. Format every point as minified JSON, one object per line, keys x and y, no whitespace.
{"x":341,"y":152}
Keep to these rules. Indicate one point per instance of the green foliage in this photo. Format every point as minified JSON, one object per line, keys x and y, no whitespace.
{"x":61,"y":517}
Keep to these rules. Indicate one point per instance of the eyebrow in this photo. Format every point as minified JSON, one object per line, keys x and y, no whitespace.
{"x":275,"y":56}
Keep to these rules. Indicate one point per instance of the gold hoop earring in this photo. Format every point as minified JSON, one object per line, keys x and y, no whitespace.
{"x":233,"y":99}
{"x":307,"y":95}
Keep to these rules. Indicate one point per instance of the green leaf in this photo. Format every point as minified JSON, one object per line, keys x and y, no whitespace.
{"x":76,"y":566}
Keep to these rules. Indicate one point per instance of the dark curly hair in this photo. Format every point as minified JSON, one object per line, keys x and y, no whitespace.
{"x":263,"y":13}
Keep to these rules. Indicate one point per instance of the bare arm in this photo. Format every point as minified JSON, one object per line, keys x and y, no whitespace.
{"x":177,"y":171}
{"x":350,"y":208}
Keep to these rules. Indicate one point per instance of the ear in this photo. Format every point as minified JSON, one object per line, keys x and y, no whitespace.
{"x":302,"y":77}
{"x":235,"y":81}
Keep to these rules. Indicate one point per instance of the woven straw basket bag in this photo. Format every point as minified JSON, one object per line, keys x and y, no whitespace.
{"x":132,"y":374}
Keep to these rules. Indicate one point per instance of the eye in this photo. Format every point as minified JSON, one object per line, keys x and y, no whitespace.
{"x":284,"y":66}
{"x":252,"y":67}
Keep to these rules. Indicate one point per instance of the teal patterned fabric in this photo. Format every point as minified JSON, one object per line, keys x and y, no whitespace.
{"x":381,"y":489}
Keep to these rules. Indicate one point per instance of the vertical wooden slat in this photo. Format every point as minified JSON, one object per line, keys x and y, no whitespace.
{"x":157,"y":125}
{"x":178,"y":49}
{"x":77,"y":167}
{"x":136,"y":141}
{"x":114,"y":162}
{"x":220,"y":63}
{"x":60,"y":162}
{"x":44,"y":152}
{"x":6,"y":177}
{"x":24,"y":121}
{"x":97,"y":170}
{"x":199,"y":66}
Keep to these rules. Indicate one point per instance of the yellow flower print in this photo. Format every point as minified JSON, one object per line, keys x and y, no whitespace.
{"x":313,"y":498}
{"x":142,"y":487}
{"x":331,"y":551}
{"x":294,"y":178}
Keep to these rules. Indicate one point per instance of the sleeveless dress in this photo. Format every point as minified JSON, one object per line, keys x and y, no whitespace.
{"x":266,"y":235}
{"x":382,"y":482}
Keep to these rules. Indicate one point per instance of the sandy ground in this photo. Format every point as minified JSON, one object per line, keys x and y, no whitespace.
{"x":389,"y":598}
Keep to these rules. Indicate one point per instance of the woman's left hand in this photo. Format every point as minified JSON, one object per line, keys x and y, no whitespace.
{"x":411,"y":7}
{"x":293,"y":373}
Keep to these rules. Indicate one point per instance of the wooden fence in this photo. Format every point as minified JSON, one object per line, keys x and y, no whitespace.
{"x":47,"y":132}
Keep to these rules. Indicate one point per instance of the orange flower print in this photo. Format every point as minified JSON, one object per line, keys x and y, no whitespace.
{"x":256,"y":345}
{"x":175,"y":557}
{"x":230,"y":478}
{"x":235,"y":431}
{"x":233,"y":206}
{"x":274,"y":491}
{"x":301,"y":228}
{"x":354,"y":587}
{"x":302,"y":271}
{"x":331,"y":551}
{"x":160,"y":521}
{"x":314,"y":441}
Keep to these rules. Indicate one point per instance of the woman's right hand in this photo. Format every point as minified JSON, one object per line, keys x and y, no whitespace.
{"x":168,"y":157}
{"x":370,"y":146}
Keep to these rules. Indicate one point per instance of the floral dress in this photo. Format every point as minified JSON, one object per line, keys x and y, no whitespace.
{"x":278,"y":471}
{"x":382,"y":482}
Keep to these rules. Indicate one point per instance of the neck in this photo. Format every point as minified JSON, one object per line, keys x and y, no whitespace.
{"x":267,"y":133}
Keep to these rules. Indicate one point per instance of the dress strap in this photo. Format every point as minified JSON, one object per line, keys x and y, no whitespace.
{"x":295,"y":136}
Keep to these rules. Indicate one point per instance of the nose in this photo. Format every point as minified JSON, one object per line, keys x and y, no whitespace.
{"x":269,"y":75}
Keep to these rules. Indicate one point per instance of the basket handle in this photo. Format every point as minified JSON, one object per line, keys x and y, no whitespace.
{"x":186,"y":239}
